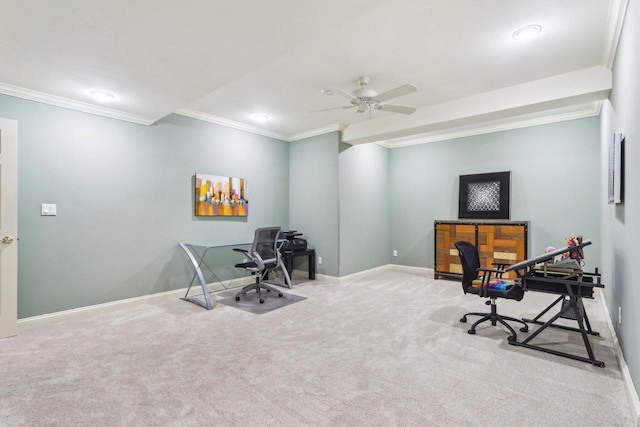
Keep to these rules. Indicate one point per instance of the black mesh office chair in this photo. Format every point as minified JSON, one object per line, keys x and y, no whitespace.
{"x":487,"y":283}
{"x":262,"y":257}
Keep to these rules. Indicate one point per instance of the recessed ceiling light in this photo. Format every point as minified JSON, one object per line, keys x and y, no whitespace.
{"x":101,"y":95}
{"x":327,"y":91}
{"x":527,"y":32}
{"x":260,"y":117}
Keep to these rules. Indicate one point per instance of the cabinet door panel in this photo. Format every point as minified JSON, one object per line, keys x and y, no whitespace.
{"x":446,"y":256}
{"x":501,"y":243}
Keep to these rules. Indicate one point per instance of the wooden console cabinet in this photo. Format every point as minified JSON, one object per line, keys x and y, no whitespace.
{"x":497,"y":241}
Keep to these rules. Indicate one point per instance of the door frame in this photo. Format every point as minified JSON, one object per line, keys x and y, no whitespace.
{"x":8,"y":227}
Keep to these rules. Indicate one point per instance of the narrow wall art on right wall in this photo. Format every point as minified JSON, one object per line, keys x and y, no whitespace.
{"x":616,"y":168}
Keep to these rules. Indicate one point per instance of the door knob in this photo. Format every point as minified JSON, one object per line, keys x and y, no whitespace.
{"x":6,"y":240}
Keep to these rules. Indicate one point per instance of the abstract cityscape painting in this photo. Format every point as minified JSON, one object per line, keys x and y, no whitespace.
{"x":221,"y":196}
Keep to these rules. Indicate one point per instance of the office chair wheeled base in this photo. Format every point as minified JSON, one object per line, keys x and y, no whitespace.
{"x":494,"y":317}
{"x":257,"y":286}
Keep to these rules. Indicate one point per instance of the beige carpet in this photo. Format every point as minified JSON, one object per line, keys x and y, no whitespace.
{"x":385,"y":350}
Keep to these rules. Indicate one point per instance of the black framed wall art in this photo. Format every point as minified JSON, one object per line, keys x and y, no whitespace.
{"x":484,"y":196}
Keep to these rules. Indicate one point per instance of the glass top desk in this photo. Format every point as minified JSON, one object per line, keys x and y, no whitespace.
{"x":214,"y":266}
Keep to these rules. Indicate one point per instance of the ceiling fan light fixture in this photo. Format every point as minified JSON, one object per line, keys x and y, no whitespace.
{"x":261,"y":117}
{"x":101,"y":95}
{"x":527,"y":32}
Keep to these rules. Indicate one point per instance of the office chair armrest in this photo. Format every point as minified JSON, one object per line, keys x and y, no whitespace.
{"x":258,"y":260}
{"x":500,"y":266}
{"x":490,"y":270}
{"x":487,"y":273}
{"x":244,"y":251}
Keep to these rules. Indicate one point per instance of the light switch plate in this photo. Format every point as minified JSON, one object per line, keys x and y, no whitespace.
{"x":49,"y":209}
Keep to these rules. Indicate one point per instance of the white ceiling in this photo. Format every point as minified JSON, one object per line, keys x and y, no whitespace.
{"x":225,"y":61}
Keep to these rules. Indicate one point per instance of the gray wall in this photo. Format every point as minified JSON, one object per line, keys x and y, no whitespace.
{"x":554,"y":184}
{"x":313,"y":196}
{"x":621,"y":223}
{"x":364,"y":208}
{"x":124,"y":196}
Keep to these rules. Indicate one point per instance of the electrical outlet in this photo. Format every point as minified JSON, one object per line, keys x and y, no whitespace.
{"x":395,"y":252}
{"x":620,"y":316}
{"x":319,"y":260}
{"x":49,"y":209}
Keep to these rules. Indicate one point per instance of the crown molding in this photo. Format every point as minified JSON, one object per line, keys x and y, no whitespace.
{"x":315,"y":132}
{"x":615,"y":21}
{"x":84,"y":107}
{"x":592,"y":109}
{"x":253,"y":129}
{"x":230,"y":123}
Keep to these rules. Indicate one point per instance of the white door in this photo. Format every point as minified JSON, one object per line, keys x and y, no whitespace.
{"x":8,"y":227}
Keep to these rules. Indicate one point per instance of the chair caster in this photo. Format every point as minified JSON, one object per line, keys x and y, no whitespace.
{"x":268,"y":290}
{"x":237,"y":298}
{"x":471,"y":331}
{"x":463,"y":319}
{"x":511,"y":339}
{"x":524,"y":329}
{"x":261,"y":301}
{"x":280,"y":295}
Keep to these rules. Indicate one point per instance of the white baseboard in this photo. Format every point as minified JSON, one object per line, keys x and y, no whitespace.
{"x":363,"y":273}
{"x":632,"y":394}
{"x":423,"y":271}
{"x":327,"y":278}
{"x":91,"y":310}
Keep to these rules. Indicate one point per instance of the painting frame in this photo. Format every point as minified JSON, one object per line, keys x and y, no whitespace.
{"x":220,"y":196}
{"x":485,"y":196}
{"x":615,"y":193}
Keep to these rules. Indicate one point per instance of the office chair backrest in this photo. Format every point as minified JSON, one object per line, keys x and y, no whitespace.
{"x":265,"y":242}
{"x":470,"y":262}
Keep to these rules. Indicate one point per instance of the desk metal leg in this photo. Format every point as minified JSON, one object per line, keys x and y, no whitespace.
{"x":572,"y":306}
{"x":285,"y":273}
{"x":311,"y":256}
{"x":287,"y":278}
{"x":312,"y":265}
{"x":536,"y":320}
{"x":289,"y":264}
{"x":207,"y":303}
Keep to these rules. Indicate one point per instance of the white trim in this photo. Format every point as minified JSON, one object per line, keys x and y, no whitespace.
{"x":230,"y":123}
{"x":92,"y":310}
{"x":592,"y":110}
{"x":422,"y":271}
{"x":315,"y":132}
{"x":632,"y":394}
{"x":254,"y":129}
{"x":615,"y":22}
{"x":326,"y":278}
{"x":363,"y":273}
{"x":59,"y":101}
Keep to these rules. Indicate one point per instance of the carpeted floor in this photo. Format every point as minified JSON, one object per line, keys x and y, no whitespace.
{"x":384,"y":350}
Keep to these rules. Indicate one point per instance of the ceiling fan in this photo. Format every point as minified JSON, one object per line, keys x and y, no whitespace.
{"x":365,"y":99}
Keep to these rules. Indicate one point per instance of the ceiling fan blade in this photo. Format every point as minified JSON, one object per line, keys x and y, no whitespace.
{"x":399,"y":91}
{"x":334,"y":108}
{"x":340,"y":92}
{"x":396,"y":108}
